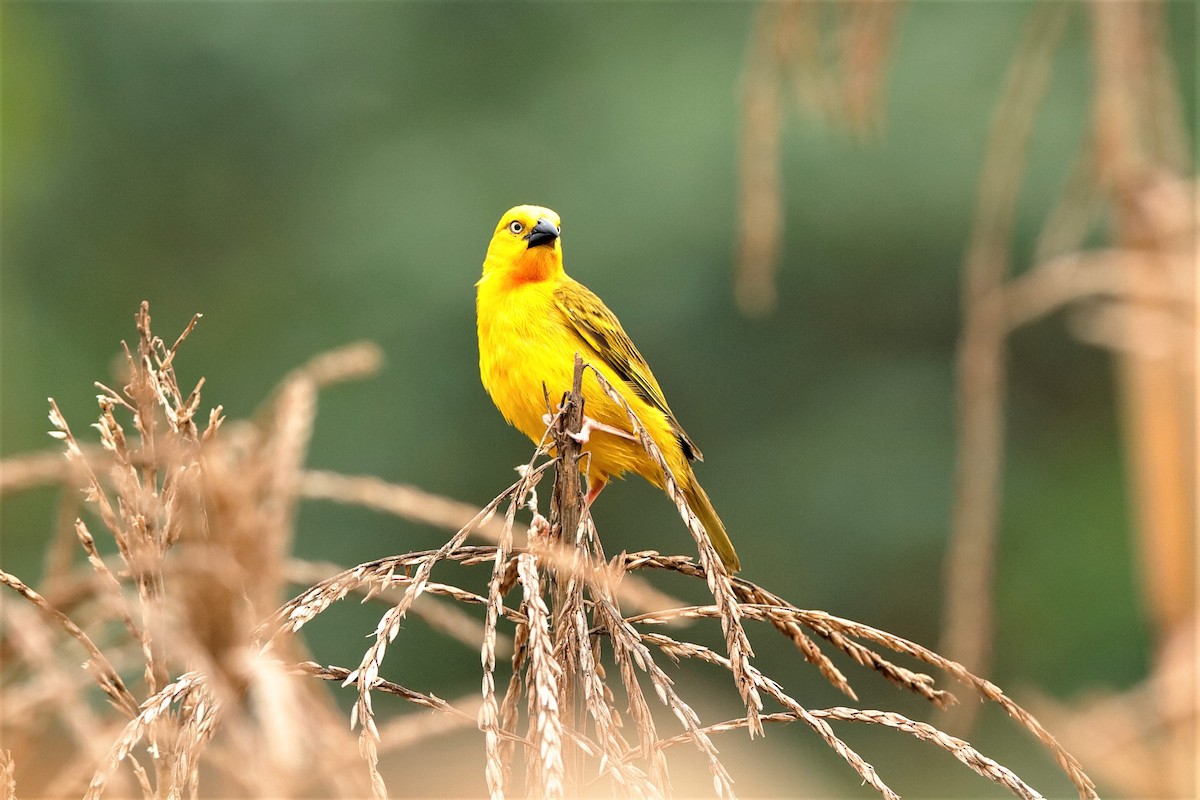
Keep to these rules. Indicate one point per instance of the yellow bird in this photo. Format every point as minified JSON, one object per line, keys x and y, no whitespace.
{"x":532,"y":319}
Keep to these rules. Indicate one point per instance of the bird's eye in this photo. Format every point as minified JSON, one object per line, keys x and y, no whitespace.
{"x":515,"y":226}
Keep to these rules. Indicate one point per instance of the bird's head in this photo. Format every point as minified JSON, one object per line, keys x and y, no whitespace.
{"x":525,"y":245}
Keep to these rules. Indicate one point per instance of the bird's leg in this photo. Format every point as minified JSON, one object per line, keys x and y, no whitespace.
{"x":589,"y":425}
{"x":594,"y":488}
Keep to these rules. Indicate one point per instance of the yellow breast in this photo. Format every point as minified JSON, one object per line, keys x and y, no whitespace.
{"x":519,"y":352}
{"x":527,"y":353}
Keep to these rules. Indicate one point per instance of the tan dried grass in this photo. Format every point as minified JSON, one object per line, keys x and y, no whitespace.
{"x":189,"y":617}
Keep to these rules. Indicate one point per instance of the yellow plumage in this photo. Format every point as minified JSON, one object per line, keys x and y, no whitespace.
{"x":532,"y":319}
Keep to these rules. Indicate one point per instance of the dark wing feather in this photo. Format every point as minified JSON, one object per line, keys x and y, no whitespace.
{"x":600,"y":332}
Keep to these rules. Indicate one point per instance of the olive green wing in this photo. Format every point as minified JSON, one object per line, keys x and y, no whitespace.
{"x":599,"y":330}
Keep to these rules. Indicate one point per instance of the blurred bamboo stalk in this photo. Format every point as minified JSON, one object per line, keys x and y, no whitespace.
{"x":836,"y":71}
{"x":967,"y":616}
{"x":1139,"y":153}
{"x":760,"y":180}
{"x":1157,"y":385}
{"x":1137,"y":298}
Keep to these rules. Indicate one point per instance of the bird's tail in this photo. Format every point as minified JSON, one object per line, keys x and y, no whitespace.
{"x":700,"y":504}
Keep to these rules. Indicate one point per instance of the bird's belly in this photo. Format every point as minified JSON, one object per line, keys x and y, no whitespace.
{"x":525,"y":383}
{"x":527,"y":369}
{"x":527,"y":361}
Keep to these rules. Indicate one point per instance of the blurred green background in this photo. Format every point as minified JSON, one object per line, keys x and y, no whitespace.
{"x":307,"y":174}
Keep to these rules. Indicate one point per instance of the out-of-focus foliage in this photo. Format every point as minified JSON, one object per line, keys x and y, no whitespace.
{"x":309,"y":174}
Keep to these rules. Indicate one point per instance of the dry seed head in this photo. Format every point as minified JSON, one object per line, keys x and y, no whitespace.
{"x":548,"y":649}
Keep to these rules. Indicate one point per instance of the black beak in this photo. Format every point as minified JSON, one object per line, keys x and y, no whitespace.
{"x":545,"y":232}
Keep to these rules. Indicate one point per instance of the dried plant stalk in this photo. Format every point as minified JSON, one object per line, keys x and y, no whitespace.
{"x":967,"y":631}
{"x":198,"y":713}
{"x":837,"y":72}
{"x":543,"y":676}
{"x":98,"y":664}
{"x":759,"y":184}
{"x":8,"y":778}
{"x":193,"y":513}
{"x":161,"y":484}
{"x":1152,"y":225}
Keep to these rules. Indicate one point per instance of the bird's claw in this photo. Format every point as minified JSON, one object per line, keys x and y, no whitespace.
{"x":589,"y":425}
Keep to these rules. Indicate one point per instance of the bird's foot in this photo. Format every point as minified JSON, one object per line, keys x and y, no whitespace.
{"x":589,"y":425}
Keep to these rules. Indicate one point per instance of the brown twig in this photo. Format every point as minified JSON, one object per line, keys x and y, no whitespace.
{"x":566,"y":512}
